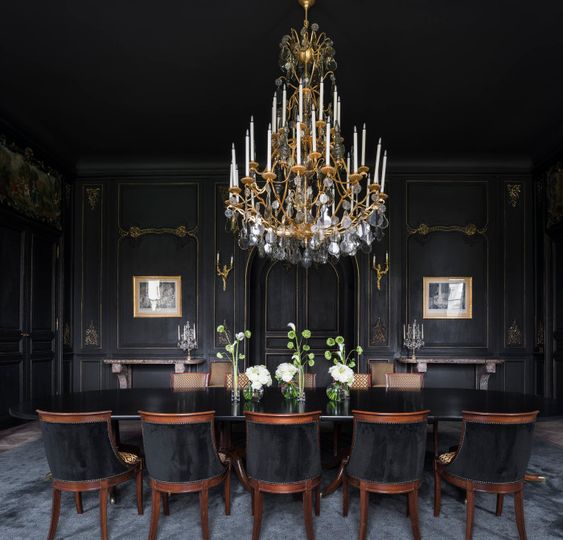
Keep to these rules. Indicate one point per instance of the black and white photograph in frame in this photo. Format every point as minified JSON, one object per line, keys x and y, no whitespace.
{"x":447,"y":298}
{"x":157,"y":296}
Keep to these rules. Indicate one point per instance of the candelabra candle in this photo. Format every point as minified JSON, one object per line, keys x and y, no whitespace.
{"x":413,"y":337}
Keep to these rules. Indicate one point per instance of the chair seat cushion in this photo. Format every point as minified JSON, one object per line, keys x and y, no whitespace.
{"x":446,"y":457}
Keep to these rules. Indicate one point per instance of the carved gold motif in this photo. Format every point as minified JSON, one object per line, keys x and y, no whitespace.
{"x":379,"y":270}
{"x":224,"y":272}
{"x":513,"y":191}
{"x":135,"y":232}
{"x":514,"y":334}
{"x":93,"y":194}
{"x":469,"y":230}
{"x":378,"y":333}
{"x":91,"y":335}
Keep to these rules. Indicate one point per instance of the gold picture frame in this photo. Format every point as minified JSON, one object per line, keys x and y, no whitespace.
{"x":157,"y":296}
{"x":447,"y":297}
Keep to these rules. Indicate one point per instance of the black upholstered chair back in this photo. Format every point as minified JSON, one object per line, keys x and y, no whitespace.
{"x":494,"y":448}
{"x":180,"y":447}
{"x":80,"y":447}
{"x":388,"y":448}
{"x":282,"y":448}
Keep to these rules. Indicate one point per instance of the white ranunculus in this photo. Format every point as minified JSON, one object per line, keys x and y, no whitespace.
{"x":240,"y":336}
{"x":285,"y":372}
{"x":341,"y":373}
{"x":258,"y":376}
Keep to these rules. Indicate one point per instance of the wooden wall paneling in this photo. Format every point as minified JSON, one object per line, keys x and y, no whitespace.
{"x":158,"y":235}
{"x":224,"y":301}
{"x":557,"y":328}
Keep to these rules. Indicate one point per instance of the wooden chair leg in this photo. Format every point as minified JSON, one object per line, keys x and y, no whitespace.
{"x":155,"y":513}
{"x":364,"y":501}
{"x":345,"y":495}
{"x":252,"y":502}
{"x":470,"y":494}
{"x":413,"y":511}
{"x":104,"y":495}
{"x":228,"y":492}
{"x":55,"y":512}
{"x":258,"y":504}
{"x":435,"y":438}
{"x":519,"y":511}
{"x":500,"y":501}
{"x":203,"y":510}
{"x":165,"y":503}
{"x":139,"y":490}
{"x":78,"y":502}
{"x":408,"y":511}
{"x":318,"y":500}
{"x":437,"y":491}
{"x":308,"y":513}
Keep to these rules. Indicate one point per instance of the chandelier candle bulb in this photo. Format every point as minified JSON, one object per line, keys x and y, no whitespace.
{"x":321,"y":99}
{"x":313,"y":131}
{"x":355,"y":150}
{"x":327,"y":143}
{"x":348,"y":163}
{"x":284,"y":105}
{"x":338,"y":111}
{"x":274,"y":113}
{"x":363,"y":162}
{"x":298,"y":144}
{"x":300,"y":100}
{"x":252,"y":147}
{"x":247,"y":154}
{"x":377,"y":158}
{"x":233,"y":156}
{"x":335,"y":105}
{"x":269,"y":159}
{"x":383,"y":169}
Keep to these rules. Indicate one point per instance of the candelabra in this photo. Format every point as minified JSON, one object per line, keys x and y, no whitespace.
{"x":413,"y":337}
{"x":224,"y":272}
{"x":187,"y":340}
{"x":379,"y":270}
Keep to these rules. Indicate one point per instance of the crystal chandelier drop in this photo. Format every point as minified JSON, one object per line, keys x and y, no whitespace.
{"x":309,"y":201}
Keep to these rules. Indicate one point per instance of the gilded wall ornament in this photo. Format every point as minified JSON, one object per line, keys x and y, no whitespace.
{"x":93,"y":194}
{"x":136,"y":232}
{"x":378,"y":333}
{"x":513,"y":192}
{"x":91,"y":335}
{"x":513,"y":335}
{"x":424,"y":230}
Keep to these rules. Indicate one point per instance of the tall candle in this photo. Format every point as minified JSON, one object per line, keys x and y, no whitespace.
{"x":231,"y":260}
{"x":377,"y":156}
{"x":348,"y":163}
{"x":363,"y":162}
{"x":355,"y":150}
{"x":178,"y":332}
{"x":301,"y":99}
{"x":422,"y":330}
{"x":313,"y":130}
{"x":274,"y":113}
{"x":298,"y":143}
{"x":252,"y":147}
{"x":404,"y":332}
{"x":338,"y":111}
{"x":269,"y":160}
{"x":247,"y":154}
{"x":284,"y":105}
{"x":236,"y":175}
{"x":232,"y":175}
{"x":233,"y":155}
{"x":327,"y":142}
{"x":217,"y":257}
{"x":321,"y":100}
{"x":383,"y":169}
{"x":334,"y":105}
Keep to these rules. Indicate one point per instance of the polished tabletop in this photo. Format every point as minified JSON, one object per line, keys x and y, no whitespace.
{"x":443,"y":403}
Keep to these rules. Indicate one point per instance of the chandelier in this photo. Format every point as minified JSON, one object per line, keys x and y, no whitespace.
{"x":309,"y":201}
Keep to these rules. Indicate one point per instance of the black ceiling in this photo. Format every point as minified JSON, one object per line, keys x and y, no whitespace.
{"x":177,"y":80}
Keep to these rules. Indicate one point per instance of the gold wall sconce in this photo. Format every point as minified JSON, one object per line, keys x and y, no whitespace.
{"x":224,"y":272}
{"x":379,"y":270}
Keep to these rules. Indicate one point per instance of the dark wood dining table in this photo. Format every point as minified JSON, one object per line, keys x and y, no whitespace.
{"x":443,"y":403}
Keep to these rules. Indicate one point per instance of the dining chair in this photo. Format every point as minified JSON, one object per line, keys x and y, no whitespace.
{"x":492,"y":457}
{"x":217,"y":372}
{"x":82,"y":456}
{"x":189,"y":381}
{"x":310,"y":380}
{"x":242,"y":380}
{"x":181,"y":457}
{"x":387,"y":457}
{"x":362,"y":381}
{"x":404,"y":381}
{"x":378,"y":369}
{"x":283,"y":456}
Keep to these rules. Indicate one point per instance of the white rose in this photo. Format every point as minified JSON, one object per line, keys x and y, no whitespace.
{"x":341,"y":373}
{"x":256,"y":385}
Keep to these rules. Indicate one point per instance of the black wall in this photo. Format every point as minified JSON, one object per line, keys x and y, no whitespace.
{"x":478,"y":225}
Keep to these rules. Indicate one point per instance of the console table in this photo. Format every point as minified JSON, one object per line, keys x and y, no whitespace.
{"x":122,"y":367}
{"x":487,"y":366}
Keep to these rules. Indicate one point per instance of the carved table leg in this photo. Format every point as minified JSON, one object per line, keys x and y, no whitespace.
{"x":333,"y":486}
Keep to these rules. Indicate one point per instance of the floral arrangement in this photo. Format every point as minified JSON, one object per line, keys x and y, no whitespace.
{"x":341,"y":370}
{"x":301,"y":358}
{"x":232,"y":352}
{"x":259,"y":376}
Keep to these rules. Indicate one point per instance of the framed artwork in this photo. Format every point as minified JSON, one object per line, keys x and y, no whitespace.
{"x":447,"y":297}
{"x":157,"y":296}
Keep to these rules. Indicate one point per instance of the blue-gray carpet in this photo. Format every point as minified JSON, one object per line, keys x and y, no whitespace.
{"x":25,"y":507}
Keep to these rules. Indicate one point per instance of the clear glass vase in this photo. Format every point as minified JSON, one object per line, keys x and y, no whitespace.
{"x":338,"y":391}
{"x":301,"y":384}
{"x":235,"y":391}
{"x":251,"y":394}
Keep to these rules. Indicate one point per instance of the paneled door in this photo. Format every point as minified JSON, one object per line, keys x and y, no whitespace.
{"x":320,"y":298}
